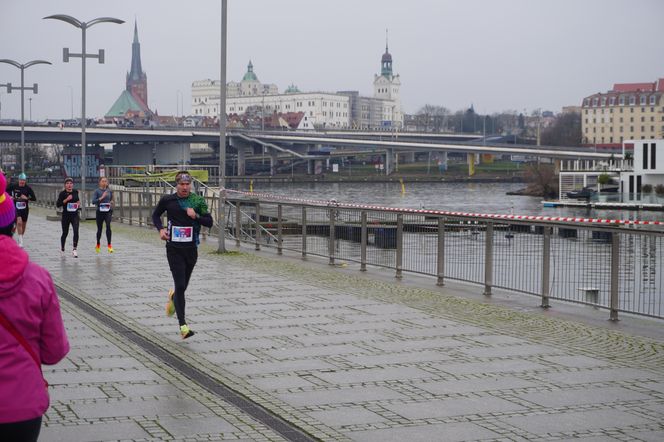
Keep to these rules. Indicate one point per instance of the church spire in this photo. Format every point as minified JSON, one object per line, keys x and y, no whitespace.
{"x":136,"y":70}
{"x":137,"y":81}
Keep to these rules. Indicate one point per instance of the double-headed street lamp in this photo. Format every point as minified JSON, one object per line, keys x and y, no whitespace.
{"x":22,"y":88}
{"x":222,"y":129}
{"x":83,"y":55}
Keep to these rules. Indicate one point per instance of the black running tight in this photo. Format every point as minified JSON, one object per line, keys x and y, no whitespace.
{"x":104,"y":217}
{"x":181,"y":260}
{"x":24,"y":431}
{"x":66,"y":221}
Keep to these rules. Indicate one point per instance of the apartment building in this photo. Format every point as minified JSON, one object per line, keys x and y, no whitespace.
{"x":627,"y":111}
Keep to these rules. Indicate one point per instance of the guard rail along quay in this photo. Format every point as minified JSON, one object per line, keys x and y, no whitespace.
{"x":617,"y":265}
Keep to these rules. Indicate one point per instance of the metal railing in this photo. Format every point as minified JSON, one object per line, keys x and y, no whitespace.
{"x":618,"y":268}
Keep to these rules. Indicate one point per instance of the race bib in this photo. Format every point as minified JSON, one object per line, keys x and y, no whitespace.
{"x":20,"y":205}
{"x":72,"y":207}
{"x":104,"y":207}
{"x":182,"y":234}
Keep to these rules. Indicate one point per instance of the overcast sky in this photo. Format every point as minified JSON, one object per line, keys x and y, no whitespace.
{"x":496,"y":54}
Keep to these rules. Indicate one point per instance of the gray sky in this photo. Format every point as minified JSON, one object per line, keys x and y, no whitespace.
{"x":496,"y":54}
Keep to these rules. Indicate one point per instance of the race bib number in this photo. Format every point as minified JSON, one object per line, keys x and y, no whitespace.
{"x":182,"y":234}
{"x":105,"y":207}
{"x":72,"y":207}
{"x":20,"y":205}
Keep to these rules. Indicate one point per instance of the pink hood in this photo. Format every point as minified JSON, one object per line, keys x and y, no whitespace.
{"x":15,"y":260}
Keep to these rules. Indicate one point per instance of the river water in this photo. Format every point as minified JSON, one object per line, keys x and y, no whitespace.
{"x":461,"y":197}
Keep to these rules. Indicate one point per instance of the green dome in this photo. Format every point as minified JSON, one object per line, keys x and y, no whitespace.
{"x":292,"y":89}
{"x":250,"y":76}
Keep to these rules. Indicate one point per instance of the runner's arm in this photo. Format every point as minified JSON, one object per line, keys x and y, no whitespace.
{"x":31,"y":195}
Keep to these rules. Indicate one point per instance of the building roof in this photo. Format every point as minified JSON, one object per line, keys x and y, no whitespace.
{"x":633,"y":87}
{"x":125,"y":103}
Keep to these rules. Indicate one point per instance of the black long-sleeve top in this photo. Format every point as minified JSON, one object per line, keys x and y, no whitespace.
{"x":17,"y":191}
{"x":179,"y":221}
{"x":66,"y":206}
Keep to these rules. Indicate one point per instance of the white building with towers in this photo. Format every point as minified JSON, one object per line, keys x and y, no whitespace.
{"x":324,"y":110}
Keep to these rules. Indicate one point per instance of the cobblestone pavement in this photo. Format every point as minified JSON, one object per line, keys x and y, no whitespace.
{"x":341,"y":355}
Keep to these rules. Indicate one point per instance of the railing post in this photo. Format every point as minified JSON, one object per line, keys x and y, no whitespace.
{"x":122,"y":192}
{"x":330,"y":244}
{"x":280,"y":238}
{"x":615,"y":275}
{"x":258,"y":225}
{"x":363,"y":243}
{"x":304,"y":231}
{"x":131,"y":211}
{"x":399,"y":257}
{"x":488,"y":259}
{"x":546,"y":266}
{"x":238,"y":224}
{"x":440,"y":263}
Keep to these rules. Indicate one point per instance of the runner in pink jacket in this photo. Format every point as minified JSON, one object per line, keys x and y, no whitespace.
{"x":29,"y":302}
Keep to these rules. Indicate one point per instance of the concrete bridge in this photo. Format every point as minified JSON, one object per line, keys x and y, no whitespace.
{"x":163,"y":146}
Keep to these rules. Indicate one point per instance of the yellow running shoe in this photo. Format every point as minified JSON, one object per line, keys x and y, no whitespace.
{"x":185,"y":332}
{"x":97,"y":247}
{"x":110,"y":248}
{"x":170,"y":306}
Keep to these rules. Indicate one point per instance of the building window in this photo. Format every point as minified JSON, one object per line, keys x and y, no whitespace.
{"x":643,"y":128}
{"x":612,"y":101}
{"x":632,"y":100}
{"x":643,"y":100}
{"x":603,"y":101}
{"x":643,"y":119}
{"x":652,"y":128}
{"x":595,"y":101}
{"x":586,"y":102}
{"x":622,"y":100}
{"x":652,"y":100}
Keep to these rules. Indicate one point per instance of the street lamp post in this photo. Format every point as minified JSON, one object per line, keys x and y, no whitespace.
{"x":222,"y":129}
{"x":83,"y":55}
{"x":71,"y":102}
{"x":22,"y":88}
{"x":30,"y":100}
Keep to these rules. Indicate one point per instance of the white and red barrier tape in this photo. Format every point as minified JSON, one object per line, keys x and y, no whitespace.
{"x":448,"y":213}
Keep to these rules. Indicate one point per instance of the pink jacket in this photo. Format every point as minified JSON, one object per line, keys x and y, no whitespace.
{"x":28,"y":300}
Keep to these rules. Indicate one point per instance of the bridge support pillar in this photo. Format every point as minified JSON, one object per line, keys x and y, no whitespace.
{"x":472,"y":160}
{"x":273,"y":162}
{"x":389,"y":161}
{"x":241,"y":162}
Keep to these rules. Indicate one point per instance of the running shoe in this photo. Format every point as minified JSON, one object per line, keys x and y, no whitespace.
{"x":74,"y":253}
{"x":185,"y":332}
{"x":97,"y":248}
{"x":170,"y":306}
{"x":110,"y":248}
{"x":62,"y":253}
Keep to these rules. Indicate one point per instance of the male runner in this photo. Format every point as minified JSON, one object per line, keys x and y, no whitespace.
{"x":21,"y":194}
{"x":186,"y":213}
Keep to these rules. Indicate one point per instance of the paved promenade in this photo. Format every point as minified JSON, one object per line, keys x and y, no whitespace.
{"x":340,"y":354}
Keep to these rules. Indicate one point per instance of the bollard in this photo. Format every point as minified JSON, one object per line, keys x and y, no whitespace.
{"x":131,"y":212}
{"x":363,"y":243}
{"x":440,"y":263}
{"x":615,"y":274}
{"x":399,"y":257}
{"x":280,"y":238}
{"x":488,"y":260}
{"x":546,"y":266}
{"x":304,"y":231}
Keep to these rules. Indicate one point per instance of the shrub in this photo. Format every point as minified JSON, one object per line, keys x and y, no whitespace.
{"x":646,"y":188}
{"x":659,"y":189}
{"x":604,"y":179}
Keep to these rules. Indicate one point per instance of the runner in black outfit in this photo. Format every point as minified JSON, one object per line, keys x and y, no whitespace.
{"x":22,"y":194}
{"x":186,"y":213}
{"x":70,"y":203}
